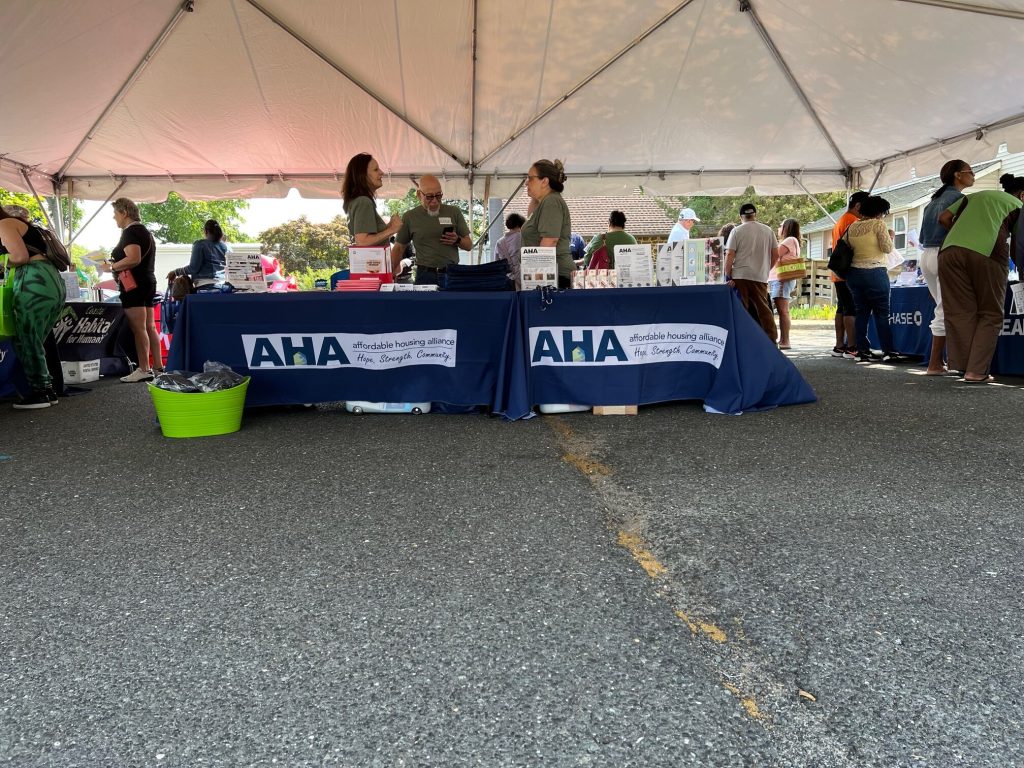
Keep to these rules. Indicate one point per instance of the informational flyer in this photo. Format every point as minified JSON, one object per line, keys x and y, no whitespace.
{"x":714,"y":260}
{"x":693,"y":266}
{"x":663,"y":266}
{"x":1017,"y":307}
{"x":538,"y":267}
{"x":678,"y":259}
{"x":245,"y":272}
{"x":634,"y":267}
{"x":364,"y":260}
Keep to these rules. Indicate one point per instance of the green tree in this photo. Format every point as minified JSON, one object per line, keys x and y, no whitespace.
{"x":301,"y":245}
{"x":772,"y":210}
{"x":29,"y":202}
{"x":181,"y":221}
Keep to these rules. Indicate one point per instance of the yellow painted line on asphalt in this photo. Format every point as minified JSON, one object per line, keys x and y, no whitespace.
{"x":637,"y":548}
{"x":561,"y":427}
{"x":699,"y":627}
{"x":586,"y":465}
{"x":748,"y":703}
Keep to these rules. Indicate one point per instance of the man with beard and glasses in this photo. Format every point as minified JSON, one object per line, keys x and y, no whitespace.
{"x":436,"y":230}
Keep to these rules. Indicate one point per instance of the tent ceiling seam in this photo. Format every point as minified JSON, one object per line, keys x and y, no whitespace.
{"x":586,"y":81}
{"x":285,"y":177}
{"x":981,"y":9}
{"x":184,"y":8}
{"x":356,"y":82}
{"x":747,"y":7}
{"x":978,"y":134}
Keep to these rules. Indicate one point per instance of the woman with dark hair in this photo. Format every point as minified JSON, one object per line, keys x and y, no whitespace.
{"x":616,"y":235}
{"x":508,"y":247}
{"x":132,"y":261}
{"x":206,"y":267}
{"x":780,"y":291}
{"x":363,"y":177}
{"x":868,"y":279}
{"x":956,"y":176}
{"x":38,"y":299}
{"x":549,"y":226}
{"x":973,"y":266}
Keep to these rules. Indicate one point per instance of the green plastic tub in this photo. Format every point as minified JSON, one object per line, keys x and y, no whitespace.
{"x":199,"y":414}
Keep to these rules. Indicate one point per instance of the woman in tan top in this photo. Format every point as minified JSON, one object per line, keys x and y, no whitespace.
{"x":868,"y":280}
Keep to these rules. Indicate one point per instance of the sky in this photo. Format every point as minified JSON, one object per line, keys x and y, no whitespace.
{"x":261,"y":214}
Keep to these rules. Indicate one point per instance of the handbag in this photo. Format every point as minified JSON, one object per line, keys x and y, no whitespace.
{"x":791,"y":268}
{"x":842,"y":255}
{"x":7,"y":327}
{"x":599,"y":258}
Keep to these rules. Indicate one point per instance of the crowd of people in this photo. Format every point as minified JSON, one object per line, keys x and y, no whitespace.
{"x":966,"y":244}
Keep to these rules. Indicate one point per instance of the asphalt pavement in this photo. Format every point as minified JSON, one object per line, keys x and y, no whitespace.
{"x":835,"y":584}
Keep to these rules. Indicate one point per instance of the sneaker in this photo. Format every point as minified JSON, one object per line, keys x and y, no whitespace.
{"x":838,"y":352}
{"x":868,"y":357}
{"x":849,"y":354}
{"x":51,"y":395}
{"x":36,"y":400}
{"x":894,"y":357}
{"x":137,"y":375}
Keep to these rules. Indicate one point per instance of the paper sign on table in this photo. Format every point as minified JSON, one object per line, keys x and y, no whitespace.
{"x":633,"y":266}
{"x":245,"y":272}
{"x":664,"y":264}
{"x":538,"y":267}
{"x":364,"y":260}
{"x":1017,"y":307}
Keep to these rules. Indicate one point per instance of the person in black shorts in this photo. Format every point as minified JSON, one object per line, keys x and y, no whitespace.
{"x":133,"y":263}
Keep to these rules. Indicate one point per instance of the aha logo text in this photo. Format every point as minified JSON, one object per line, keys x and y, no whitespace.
{"x":581,"y":350}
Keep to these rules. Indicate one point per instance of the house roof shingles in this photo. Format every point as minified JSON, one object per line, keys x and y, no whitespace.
{"x":899,"y":196}
{"x":589,"y":215}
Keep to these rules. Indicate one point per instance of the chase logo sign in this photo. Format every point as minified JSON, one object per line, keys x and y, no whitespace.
{"x":375,"y":352}
{"x":906,"y":318}
{"x":627,"y":344}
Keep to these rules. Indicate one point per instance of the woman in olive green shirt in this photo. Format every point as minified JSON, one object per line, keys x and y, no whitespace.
{"x":363,"y":177}
{"x":549,"y":225}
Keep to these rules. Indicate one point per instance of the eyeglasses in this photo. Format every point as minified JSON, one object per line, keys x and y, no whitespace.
{"x":532,"y":178}
{"x":437,"y":196}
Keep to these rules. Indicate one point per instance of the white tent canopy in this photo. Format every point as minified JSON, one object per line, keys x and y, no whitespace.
{"x":249,"y":98}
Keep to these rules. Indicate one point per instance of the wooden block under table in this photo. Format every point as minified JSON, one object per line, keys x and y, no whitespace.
{"x":615,"y":410}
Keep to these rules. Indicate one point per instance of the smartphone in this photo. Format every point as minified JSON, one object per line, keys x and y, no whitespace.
{"x":448,"y":230}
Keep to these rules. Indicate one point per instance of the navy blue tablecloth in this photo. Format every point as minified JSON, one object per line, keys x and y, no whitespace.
{"x":649,"y":345}
{"x":320,"y":347}
{"x":911,"y":310}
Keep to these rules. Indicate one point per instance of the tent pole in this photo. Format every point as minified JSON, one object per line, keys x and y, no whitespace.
{"x":479,"y":244}
{"x":587,"y":80}
{"x":42,"y":205}
{"x":874,"y":181}
{"x":184,"y":8}
{"x":109,"y":198}
{"x":356,"y":82}
{"x":813,"y":198}
{"x":746,"y":7}
{"x":470,"y":216}
{"x":965,"y":7}
{"x":498,"y":215}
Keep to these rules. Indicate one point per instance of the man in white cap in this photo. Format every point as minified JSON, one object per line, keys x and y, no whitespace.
{"x":681,"y":229}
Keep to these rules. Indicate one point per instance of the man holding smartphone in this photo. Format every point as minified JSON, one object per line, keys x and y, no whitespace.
{"x":436,"y":230}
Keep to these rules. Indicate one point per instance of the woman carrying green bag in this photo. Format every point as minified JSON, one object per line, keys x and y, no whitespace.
{"x":38,"y":299}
